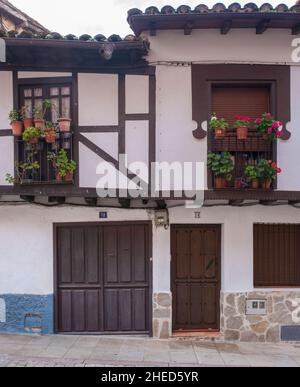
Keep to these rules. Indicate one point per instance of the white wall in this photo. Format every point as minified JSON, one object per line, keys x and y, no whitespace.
{"x":6,"y":143}
{"x":26,"y":242}
{"x":98,"y":99}
{"x":288,"y":151}
{"x":209,"y":45}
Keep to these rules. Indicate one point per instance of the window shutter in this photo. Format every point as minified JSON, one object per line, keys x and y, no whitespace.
{"x":229,"y":101}
{"x":276,"y":255}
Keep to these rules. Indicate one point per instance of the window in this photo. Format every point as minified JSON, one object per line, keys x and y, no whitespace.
{"x":230,"y":100}
{"x":31,"y":96}
{"x":276,"y":255}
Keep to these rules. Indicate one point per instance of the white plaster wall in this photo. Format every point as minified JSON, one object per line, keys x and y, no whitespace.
{"x":239,"y":45}
{"x":288,"y":151}
{"x":6,"y":98}
{"x":26,"y":267}
{"x":137,"y":94}
{"x":98,"y":99}
{"x":109,"y":142}
{"x":137,"y":141}
{"x":42,"y":74}
{"x":6,"y":158}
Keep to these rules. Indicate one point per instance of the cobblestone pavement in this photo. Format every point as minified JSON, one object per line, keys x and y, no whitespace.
{"x":90,"y":351}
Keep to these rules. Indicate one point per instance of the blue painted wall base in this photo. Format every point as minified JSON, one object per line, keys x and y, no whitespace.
{"x":27,"y":314}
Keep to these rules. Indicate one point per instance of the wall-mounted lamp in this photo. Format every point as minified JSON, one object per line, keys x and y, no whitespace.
{"x":161,"y":218}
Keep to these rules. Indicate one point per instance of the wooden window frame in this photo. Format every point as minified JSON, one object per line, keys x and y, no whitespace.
{"x":266,"y":285}
{"x":210,"y":137}
{"x":46,"y":83}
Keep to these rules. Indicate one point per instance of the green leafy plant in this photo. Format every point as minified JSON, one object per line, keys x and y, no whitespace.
{"x":22,"y":169}
{"x":25,"y":112}
{"x":39,"y":112}
{"x":217,"y":123}
{"x":221,"y":164}
{"x":31,"y":134}
{"x":268,"y":169}
{"x":252,"y":172}
{"x":62,"y":163}
{"x":242,"y":121}
{"x":269,"y":127}
{"x":49,"y":125}
{"x":14,"y":115}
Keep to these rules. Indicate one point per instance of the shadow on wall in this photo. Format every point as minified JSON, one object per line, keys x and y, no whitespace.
{"x":26,"y":314}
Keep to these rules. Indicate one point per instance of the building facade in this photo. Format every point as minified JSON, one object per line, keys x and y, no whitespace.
{"x":72,"y":262}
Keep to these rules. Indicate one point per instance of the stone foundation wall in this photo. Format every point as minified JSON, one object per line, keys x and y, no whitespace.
{"x":283,"y":309}
{"x":162,"y":315}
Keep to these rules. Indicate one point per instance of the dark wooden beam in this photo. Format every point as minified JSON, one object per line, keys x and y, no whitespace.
{"x":27,"y":198}
{"x":56,"y":199}
{"x":262,"y":26}
{"x":267,"y":202}
{"x":152,"y":29}
{"x":161,"y":204}
{"x":226,"y":27}
{"x":296,"y":29}
{"x":236,"y":203}
{"x":125,"y":203}
{"x":293,"y":202}
{"x":91,"y":201}
{"x":188,"y":28}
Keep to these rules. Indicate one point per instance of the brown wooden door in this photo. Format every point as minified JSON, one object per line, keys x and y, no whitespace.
{"x":196,"y":268}
{"x":102,"y":278}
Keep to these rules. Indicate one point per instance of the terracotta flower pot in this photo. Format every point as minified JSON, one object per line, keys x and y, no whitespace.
{"x":69,"y":176}
{"x":17,"y":128}
{"x":64,"y":124}
{"x":220,"y":132}
{"x":266,"y":184}
{"x":220,"y":182}
{"x":34,"y":140}
{"x":255,"y":184}
{"x":237,"y":184}
{"x":28,"y":123}
{"x":50,"y":136}
{"x":59,"y":178}
{"x":242,"y":133}
{"x":39,"y":123}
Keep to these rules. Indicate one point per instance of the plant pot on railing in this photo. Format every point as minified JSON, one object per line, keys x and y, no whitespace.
{"x":28,"y":123}
{"x":219,"y":126}
{"x":39,"y":123}
{"x":242,"y":133}
{"x":254,"y":184}
{"x":252,"y":174}
{"x":220,"y":182}
{"x":242,"y":124}
{"x":266,"y":184}
{"x":17,"y":128}
{"x":50,"y":135}
{"x":64,"y":124}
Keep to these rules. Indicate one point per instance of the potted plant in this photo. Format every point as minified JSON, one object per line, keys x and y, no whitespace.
{"x":24,"y":172}
{"x":64,"y":124}
{"x":39,"y":113}
{"x":252,"y":174}
{"x":268,"y":171}
{"x":242,"y":124}
{"x":240,"y":183}
{"x":16,"y":123}
{"x":50,"y":132}
{"x":26,"y":116}
{"x":219,"y":125}
{"x":31,"y":135}
{"x":64,"y":166}
{"x":268,"y":127}
{"x":221,"y":165}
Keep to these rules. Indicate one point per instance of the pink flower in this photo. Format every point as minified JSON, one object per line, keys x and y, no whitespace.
{"x":275,"y":125}
{"x":258,"y":121}
{"x":270,"y":130}
{"x":279,"y":133}
{"x":268,"y":116}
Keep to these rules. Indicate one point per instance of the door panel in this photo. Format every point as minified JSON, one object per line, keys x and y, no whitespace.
{"x":196,"y":283}
{"x":103,"y":280}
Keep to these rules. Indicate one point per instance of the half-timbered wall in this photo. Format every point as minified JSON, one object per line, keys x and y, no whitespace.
{"x":116,"y":117}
